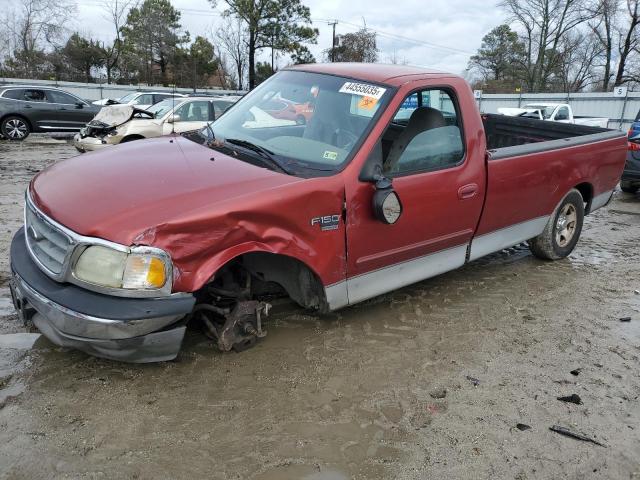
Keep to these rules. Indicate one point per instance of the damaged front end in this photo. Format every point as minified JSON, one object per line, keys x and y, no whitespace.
{"x":106,"y":123}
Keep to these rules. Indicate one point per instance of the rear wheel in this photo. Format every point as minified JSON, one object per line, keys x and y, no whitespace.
{"x":626,"y":187}
{"x":15,"y":128}
{"x":562,"y":231}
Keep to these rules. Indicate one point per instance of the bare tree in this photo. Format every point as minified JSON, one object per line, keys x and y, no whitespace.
{"x":578,"y":61}
{"x":603,"y":24}
{"x":629,"y":41}
{"x":33,"y":26}
{"x":544,"y":23}
{"x":234,"y":40}
{"x":115,"y":11}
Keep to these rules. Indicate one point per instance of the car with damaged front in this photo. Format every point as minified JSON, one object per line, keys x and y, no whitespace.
{"x":117,"y":124}
{"x":123,"y":248}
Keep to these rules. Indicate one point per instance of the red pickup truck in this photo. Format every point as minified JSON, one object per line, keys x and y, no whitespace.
{"x":394,"y":178}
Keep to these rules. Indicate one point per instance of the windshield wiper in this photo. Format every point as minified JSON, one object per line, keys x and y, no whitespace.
{"x":264,"y":153}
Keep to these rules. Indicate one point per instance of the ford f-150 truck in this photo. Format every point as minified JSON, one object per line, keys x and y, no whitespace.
{"x":122,"y":248}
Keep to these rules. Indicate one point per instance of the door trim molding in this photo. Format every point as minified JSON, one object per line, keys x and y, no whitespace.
{"x":368,"y":285}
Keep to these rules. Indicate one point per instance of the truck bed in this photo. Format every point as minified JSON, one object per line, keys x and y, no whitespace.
{"x":531,"y":165}
{"x":513,"y":136}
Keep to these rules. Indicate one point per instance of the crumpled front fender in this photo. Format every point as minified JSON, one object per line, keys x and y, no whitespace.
{"x":277,"y":221}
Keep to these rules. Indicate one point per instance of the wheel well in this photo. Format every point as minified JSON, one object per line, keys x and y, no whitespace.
{"x":295,"y":278}
{"x":130,"y":138}
{"x":19,"y":116}
{"x":586,"y":190}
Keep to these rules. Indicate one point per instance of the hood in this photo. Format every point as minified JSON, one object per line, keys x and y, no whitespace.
{"x":115,"y":115}
{"x":119,"y":193}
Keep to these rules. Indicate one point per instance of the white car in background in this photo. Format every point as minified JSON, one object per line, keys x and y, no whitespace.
{"x":554,"y":112}
{"x":124,"y":123}
{"x":142,"y":100}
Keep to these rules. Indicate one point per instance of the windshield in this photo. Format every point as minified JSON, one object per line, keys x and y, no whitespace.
{"x":306,"y":122}
{"x":160,"y":109}
{"x":127,"y":98}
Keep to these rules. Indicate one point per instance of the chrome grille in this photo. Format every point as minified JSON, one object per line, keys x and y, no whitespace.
{"x":48,"y":244}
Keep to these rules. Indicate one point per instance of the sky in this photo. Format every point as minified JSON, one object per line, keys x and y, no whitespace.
{"x":439,"y":34}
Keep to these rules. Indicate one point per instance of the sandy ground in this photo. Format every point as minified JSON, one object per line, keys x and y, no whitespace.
{"x":427,"y":382}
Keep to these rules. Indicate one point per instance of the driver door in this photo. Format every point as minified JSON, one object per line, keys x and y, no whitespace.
{"x":440,"y":184}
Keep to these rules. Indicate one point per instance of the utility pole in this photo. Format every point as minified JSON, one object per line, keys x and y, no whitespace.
{"x":333,"y":40}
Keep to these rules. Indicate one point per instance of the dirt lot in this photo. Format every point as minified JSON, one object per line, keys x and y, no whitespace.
{"x":427,"y":382}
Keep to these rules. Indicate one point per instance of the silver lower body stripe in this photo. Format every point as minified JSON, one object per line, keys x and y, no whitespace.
{"x":384,"y":280}
{"x":600,"y":200}
{"x":506,"y":237}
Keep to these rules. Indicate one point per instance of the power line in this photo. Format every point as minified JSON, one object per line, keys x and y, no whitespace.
{"x":399,"y":37}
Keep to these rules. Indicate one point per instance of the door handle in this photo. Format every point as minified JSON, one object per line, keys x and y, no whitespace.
{"x":28,"y":106}
{"x":467,"y":191}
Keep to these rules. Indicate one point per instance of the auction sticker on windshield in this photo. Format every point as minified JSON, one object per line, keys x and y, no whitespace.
{"x":363,"y":89}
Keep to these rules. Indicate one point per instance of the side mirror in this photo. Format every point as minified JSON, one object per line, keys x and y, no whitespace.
{"x":173,"y":118}
{"x":79,"y":105}
{"x":386,"y":204}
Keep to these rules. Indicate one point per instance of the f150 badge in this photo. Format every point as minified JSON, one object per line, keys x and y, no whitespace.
{"x":326,"y":222}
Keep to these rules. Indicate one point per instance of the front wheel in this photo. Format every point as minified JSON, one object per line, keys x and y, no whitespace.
{"x":562,"y":231}
{"x":15,"y":128}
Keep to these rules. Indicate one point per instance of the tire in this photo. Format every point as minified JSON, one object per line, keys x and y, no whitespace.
{"x":562,"y":231}
{"x":626,"y":187}
{"x":15,"y":128}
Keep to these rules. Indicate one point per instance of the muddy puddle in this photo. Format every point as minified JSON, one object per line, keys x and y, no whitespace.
{"x":429,"y":381}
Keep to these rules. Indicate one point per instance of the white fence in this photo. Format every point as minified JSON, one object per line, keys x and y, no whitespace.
{"x":96,"y":91}
{"x":621,"y":111}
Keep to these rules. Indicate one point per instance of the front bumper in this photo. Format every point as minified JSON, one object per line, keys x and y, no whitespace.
{"x":135,"y":330}
{"x":89,"y":144}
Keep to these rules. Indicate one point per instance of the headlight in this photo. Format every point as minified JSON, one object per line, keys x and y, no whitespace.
{"x":107,"y":267}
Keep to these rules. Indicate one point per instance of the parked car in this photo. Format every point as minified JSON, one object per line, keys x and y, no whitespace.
{"x":142,"y":100}
{"x":630,"y":180}
{"x":26,"y":109}
{"x":288,"y":110}
{"x":123,"y":123}
{"x":122,"y":248}
{"x":554,"y":112}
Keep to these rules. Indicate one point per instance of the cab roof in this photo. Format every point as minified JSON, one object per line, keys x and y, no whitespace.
{"x":393,"y":75}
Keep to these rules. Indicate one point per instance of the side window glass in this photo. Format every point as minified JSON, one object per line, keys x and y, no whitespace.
{"x":430,"y":137}
{"x":60,"y":97}
{"x":406,"y":109}
{"x":194,"y":111}
{"x":159,"y":98}
{"x":220,"y":108}
{"x":15,"y":94}
{"x":31,"y":95}
{"x":563,"y":114}
{"x":145,"y":99}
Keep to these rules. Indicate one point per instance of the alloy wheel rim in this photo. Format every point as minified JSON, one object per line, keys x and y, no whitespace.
{"x":566,"y":225}
{"x":16,"y":128}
